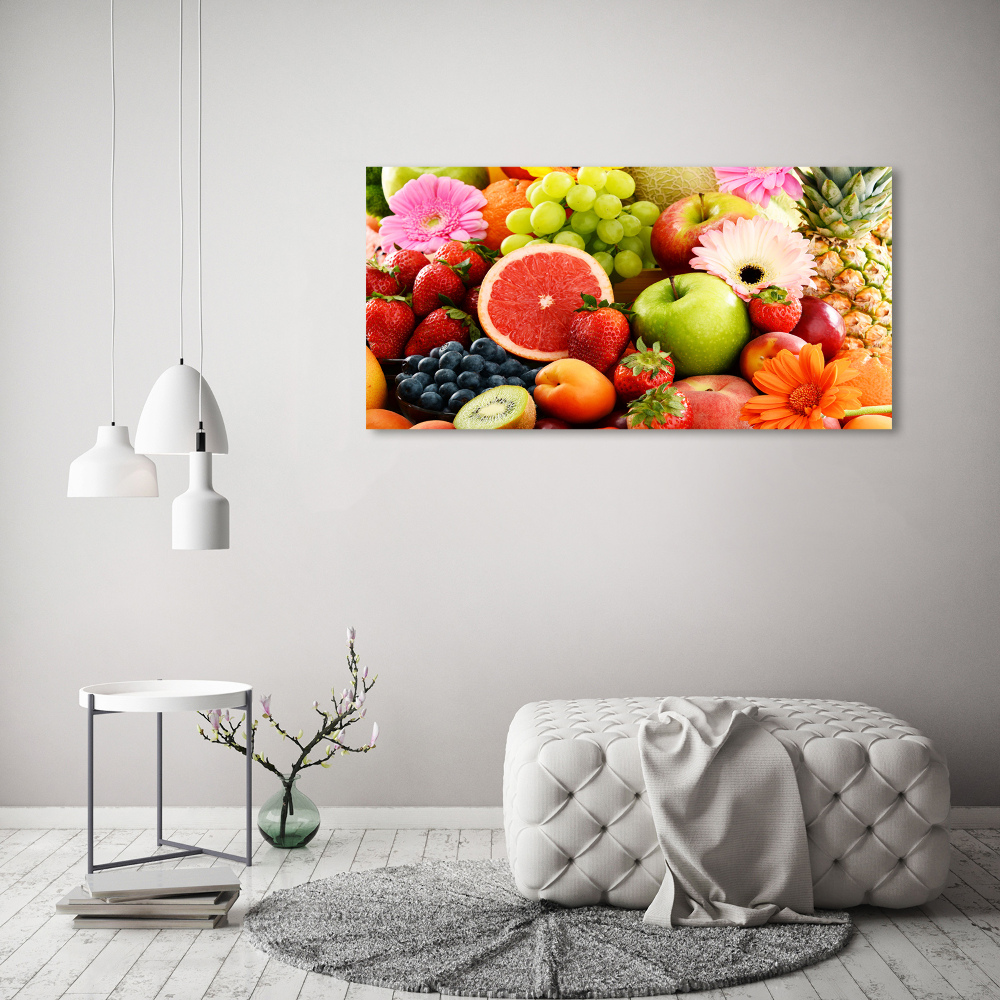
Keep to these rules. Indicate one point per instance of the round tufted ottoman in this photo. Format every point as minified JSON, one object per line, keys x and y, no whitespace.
{"x":875,"y":797}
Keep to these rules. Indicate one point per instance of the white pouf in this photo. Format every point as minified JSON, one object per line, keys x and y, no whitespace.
{"x":579,"y":831}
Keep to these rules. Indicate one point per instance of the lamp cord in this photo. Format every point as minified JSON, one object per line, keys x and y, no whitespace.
{"x":201,"y":331}
{"x":114,"y":131}
{"x":180,"y":163}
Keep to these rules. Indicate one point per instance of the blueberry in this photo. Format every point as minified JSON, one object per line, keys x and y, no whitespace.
{"x":447,"y":390}
{"x":435,"y":352}
{"x":483,"y":347}
{"x":401,"y":376}
{"x":443,"y":375}
{"x":411,"y":389}
{"x":468,"y":380}
{"x":515,"y":380}
{"x":410,"y":364}
{"x":511,"y":367}
{"x":451,"y":359}
{"x":490,"y":368}
{"x":495,"y":380}
{"x":429,"y":364}
{"x":431,"y":401}
{"x":458,"y":400}
{"x":529,"y":376}
{"x":452,"y":345}
{"x":499,"y":354}
{"x":472,"y":363}
{"x":531,"y":389}
{"x":423,"y":378}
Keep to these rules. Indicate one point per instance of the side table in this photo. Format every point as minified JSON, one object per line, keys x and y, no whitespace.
{"x":161,"y":696}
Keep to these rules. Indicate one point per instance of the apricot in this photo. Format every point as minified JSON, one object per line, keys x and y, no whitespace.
{"x":574,"y":391}
{"x":385,"y":420}
{"x":869,"y":422}
{"x":433,"y":425}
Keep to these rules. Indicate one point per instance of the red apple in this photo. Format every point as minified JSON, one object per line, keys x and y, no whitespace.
{"x":821,"y":324}
{"x":766,"y":346}
{"x":681,"y":225}
{"x":716,"y":400}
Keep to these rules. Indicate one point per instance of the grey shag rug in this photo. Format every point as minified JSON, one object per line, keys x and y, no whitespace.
{"x":461,"y":927}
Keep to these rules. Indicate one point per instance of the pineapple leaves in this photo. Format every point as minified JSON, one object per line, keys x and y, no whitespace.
{"x":831,"y":192}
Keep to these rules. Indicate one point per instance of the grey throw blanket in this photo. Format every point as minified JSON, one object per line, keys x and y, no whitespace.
{"x":728,"y":817}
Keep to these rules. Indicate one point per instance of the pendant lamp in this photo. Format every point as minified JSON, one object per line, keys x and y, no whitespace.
{"x":112,"y":468}
{"x":181,"y":415}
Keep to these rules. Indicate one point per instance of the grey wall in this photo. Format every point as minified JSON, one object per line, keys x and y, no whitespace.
{"x":481,"y":571}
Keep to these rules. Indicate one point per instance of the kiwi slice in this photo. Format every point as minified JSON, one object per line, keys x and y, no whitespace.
{"x":504,"y":407}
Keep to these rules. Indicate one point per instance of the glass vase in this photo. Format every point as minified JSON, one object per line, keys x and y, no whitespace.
{"x":289,"y":818}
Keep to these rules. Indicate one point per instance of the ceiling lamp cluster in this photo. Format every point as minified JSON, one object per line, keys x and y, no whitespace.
{"x":181,"y":415}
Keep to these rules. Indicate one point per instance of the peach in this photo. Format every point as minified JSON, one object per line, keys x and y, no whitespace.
{"x":716,"y":400}
{"x":764,"y":347}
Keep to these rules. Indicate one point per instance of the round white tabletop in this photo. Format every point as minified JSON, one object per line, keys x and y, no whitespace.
{"x":165,"y":696}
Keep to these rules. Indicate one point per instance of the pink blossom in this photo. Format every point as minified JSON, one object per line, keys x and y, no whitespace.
{"x":374,"y":734}
{"x":757,"y":184}
{"x":265,"y":702}
{"x":214,"y":718}
{"x":351,"y":634}
{"x":428,"y":211}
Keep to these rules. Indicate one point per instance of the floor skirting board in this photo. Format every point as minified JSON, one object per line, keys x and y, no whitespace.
{"x":232,"y":817}
{"x":333,"y":817}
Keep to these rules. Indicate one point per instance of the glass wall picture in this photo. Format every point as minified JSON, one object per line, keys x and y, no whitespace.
{"x":628,"y":298}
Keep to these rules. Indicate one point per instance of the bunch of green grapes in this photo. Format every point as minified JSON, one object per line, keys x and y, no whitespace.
{"x":615,"y":234}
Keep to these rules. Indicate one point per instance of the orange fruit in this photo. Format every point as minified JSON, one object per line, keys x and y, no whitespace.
{"x":385,"y":420}
{"x":869,"y":422}
{"x":433,"y":425}
{"x":874,"y":378}
{"x":528,"y":298}
{"x":375,"y":387}
{"x":502,"y":197}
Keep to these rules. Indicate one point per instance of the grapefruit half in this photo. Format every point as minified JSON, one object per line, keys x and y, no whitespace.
{"x":527,"y":299}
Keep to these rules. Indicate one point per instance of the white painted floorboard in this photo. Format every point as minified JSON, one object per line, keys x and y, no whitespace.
{"x":949,"y":948}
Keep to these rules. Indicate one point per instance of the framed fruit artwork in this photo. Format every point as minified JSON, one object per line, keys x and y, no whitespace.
{"x":628,"y":298}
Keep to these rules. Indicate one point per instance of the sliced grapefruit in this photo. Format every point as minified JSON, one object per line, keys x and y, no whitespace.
{"x":527,"y":299}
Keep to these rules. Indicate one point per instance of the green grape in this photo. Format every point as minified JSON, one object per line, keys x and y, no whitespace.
{"x":619,"y":184}
{"x":592,"y":176}
{"x":537,"y":242}
{"x":632,"y":243}
{"x":519,"y":221}
{"x":569,"y":239}
{"x":648,"y":264}
{"x":629,"y":222}
{"x":533,"y":186}
{"x":539,"y":195}
{"x":584,"y":222}
{"x":610,"y":230}
{"x":605,"y":260}
{"x":608,"y":206}
{"x":646,"y":234}
{"x":646,"y":212}
{"x":598,"y":246}
{"x":627,"y":263}
{"x":547,"y":218}
{"x":557,"y":184}
{"x":514,"y":242}
{"x":580,"y":197}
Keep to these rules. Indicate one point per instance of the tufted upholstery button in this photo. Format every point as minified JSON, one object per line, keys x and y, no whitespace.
{"x":869,"y":828}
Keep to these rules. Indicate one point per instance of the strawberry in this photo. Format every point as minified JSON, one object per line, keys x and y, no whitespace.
{"x":662,"y":408}
{"x":642,"y":370}
{"x":599,"y":332}
{"x":389,"y":321}
{"x":408,"y":264}
{"x":380,"y":279}
{"x":480,"y":258}
{"x":440,"y":326}
{"x":437,"y":285}
{"x":471,"y":301}
{"x":772,"y":311}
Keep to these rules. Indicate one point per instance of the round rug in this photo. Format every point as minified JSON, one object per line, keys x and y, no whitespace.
{"x":461,"y":927}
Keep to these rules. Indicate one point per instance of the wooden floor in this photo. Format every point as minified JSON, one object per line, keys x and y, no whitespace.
{"x":948,"y":948}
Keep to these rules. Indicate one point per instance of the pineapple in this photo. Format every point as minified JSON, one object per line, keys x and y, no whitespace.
{"x":848,"y":222}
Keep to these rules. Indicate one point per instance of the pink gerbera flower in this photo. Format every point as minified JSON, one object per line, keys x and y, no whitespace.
{"x":428,"y":211}
{"x":757,"y":184}
{"x":751,"y":254}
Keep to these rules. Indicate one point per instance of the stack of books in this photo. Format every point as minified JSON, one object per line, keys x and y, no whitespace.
{"x":175,"y":897}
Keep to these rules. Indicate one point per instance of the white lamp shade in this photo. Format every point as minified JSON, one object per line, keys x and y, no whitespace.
{"x":111,"y":468}
{"x":200,"y":515}
{"x":169,"y":420}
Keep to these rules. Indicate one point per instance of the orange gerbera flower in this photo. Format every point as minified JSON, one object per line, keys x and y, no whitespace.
{"x":800,"y":391}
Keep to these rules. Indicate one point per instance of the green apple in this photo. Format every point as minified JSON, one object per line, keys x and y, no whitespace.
{"x":698,"y":318}
{"x":393,"y":178}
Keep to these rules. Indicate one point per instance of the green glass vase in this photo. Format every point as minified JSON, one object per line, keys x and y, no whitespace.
{"x":289,"y":818}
